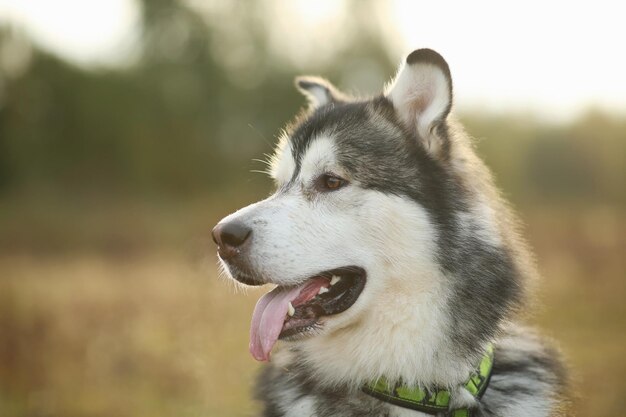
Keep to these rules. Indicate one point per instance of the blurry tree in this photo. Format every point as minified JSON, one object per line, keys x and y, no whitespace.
{"x":187,"y":117}
{"x":210,"y":88}
{"x":580,"y":162}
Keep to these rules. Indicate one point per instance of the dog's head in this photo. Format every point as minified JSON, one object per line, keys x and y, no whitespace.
{"x":381,"y":216}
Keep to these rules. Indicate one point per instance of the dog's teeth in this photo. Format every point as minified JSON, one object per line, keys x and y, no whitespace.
{"x":334,"y":280}
{"x":291,"y":310}
{"x":322,"y":290}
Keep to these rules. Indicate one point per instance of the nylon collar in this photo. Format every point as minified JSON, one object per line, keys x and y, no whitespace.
{"x":437,"y":400}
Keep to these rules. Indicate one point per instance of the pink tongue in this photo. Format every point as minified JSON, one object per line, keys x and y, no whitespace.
{"x":270,"y":311}
{"x":267,"y":320}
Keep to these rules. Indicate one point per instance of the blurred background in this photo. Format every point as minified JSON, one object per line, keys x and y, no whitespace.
{"x":128,"y":128}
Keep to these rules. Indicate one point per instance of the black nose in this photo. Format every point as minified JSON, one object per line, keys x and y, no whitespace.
{"x":229,"y":237}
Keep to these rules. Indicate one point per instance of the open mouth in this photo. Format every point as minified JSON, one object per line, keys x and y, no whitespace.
{"x":286,"y":312}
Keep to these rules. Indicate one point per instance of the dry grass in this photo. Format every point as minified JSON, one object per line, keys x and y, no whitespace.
{"x":157,"y":334}
{"x":90,"y":336}
{"x":581,"y":300}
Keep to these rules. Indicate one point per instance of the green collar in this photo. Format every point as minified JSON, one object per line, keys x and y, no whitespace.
{"x":437,"y":401}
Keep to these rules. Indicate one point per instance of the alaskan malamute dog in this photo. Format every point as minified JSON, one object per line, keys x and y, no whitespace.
{"x":398,"y":268}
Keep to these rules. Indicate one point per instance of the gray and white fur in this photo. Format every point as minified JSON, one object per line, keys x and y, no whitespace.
{"x":446,"y":267}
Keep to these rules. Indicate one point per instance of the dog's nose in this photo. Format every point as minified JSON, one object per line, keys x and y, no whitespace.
{"x":229,"y":237}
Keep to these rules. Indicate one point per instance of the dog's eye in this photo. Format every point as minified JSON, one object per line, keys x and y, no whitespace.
{"x":330,"y":182}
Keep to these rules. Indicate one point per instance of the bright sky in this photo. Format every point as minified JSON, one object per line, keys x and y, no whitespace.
{"x":84,"y":31}
{"x":551,"y":57}
{"x":558,"y":56}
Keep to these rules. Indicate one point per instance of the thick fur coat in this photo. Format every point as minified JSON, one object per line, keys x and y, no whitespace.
{"x":392,"y":186}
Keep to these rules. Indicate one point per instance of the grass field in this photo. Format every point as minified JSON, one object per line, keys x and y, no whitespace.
{"x":154,"y":332}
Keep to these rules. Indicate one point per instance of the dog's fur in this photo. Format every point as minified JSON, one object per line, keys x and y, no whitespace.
{"x":446,"y":268}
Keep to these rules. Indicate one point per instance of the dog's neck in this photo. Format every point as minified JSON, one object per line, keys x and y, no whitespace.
{"x":414,"y":349}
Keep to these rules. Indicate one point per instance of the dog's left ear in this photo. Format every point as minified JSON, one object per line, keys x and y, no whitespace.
{"x":421,"y":93}
{"x":319,"y":91}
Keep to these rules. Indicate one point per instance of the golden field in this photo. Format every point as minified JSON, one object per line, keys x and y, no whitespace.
{"x":152,"y":331}
{"x":112,"y":177}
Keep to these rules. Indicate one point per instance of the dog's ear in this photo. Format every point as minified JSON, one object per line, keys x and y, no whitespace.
{"x":421,"y":93}
{"x":319,"y":91}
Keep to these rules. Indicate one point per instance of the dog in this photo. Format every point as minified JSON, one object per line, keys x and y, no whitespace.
{"x":399,"y":271}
